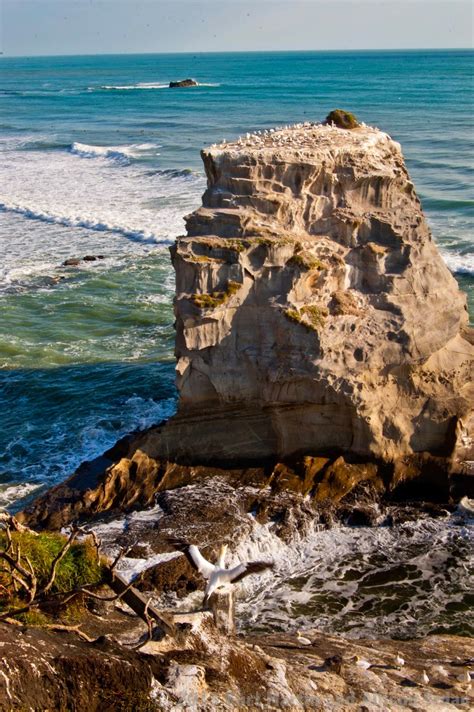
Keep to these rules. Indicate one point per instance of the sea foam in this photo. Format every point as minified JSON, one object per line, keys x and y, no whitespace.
{"x":120,"y":153}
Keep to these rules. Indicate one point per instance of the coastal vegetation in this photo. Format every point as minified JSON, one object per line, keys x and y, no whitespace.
{"x":310,"y":316}
{"x":342,"y":119}
{"x":43,"y":572}
{"x":306,"y":261}
{"x":215,"y":299}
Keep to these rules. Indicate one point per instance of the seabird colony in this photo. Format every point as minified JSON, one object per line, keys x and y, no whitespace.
{"x":278,"y":137}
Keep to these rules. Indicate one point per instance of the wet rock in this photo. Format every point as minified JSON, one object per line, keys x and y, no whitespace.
{"x":89,"y":258}
{"x":71,"y":262}
{"x":342,"y":477}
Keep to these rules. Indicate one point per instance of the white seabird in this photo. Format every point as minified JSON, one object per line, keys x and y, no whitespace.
{"x":216,"y":574}
{"x":399,"y":661}
{"x":424,"y":678}
{"x":361,"y":663}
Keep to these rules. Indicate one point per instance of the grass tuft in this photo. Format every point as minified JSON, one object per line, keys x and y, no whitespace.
{"x":215,"y":299}
{"x":311,"y":316}
{"x":78,"y":567}
{"x":306,"y":261}
{"x":342,"y":119}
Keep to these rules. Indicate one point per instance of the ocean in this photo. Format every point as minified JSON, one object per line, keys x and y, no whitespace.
{"x":100,"y":158}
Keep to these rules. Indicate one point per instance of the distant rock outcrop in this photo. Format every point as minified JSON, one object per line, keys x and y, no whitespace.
{"x":183,"y":83}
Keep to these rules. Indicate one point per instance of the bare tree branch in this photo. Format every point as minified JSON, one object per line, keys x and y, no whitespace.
{"x":57,"y":560}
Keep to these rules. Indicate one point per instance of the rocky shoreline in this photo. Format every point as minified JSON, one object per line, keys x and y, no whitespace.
{"x":324,"y":369}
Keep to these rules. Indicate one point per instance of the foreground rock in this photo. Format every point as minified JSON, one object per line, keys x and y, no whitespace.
{"x":202,"y":670}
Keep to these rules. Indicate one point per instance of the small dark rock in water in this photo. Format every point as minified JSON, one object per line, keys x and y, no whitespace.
{"x":100,"y":257}
{"x":89,"y":258}
{"x":183,"y":83}
{"x":342,"y":119}
{"x":71,"y":262}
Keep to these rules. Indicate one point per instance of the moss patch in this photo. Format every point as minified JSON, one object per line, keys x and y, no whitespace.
{"x":310,"y":316}
{"x":342,"y":119}
{"x":215,"y":299}
{"x":306,"y":261}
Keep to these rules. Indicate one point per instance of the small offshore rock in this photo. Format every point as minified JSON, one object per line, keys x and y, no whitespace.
{"x":71,"y":262}
{"x":183,"y":83}
{"x":89,"y":258}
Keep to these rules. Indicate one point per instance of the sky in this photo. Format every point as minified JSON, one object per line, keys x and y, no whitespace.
{"x":52,"y":27}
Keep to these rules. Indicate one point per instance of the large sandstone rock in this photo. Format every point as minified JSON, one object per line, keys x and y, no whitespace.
{"x":313,"y":309}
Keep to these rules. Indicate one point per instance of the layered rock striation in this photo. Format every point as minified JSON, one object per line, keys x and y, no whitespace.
{"x":313,"y":309}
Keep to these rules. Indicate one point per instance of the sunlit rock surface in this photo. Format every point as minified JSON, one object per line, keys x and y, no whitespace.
{"x":313,"y":309}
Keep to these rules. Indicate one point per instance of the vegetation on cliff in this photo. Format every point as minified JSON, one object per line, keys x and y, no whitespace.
{"x":43,"y":571}
{"x":215,"y":299}
{"x":342,"y":119}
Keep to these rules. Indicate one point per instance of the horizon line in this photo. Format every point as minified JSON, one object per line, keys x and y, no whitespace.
{"x":250,"y":51}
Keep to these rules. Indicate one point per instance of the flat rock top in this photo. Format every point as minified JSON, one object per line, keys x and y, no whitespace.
{"x":299,"y":140}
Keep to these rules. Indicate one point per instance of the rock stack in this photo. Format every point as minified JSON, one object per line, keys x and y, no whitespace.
{"x":313,"y":309}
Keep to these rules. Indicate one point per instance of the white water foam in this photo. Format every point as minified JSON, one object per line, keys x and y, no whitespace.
{"x":10,"y":493}
{"x":126,"y":87}
{"x":147,"y":85}
{"x":459,"y":263}
{"x":363,"y":581}
{"x":120,"y":153}
{"x":110,"y":206}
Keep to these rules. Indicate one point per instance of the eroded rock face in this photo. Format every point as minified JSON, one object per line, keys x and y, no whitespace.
{"x":313,"y":309}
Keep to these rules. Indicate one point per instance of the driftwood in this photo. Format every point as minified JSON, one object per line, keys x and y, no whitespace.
{"x":138,"y":602}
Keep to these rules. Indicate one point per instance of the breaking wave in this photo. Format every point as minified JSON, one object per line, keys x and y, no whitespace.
{"x":120,"y":153}
{"x":89,"y":223}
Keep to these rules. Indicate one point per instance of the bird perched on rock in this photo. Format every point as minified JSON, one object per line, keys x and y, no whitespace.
{"x":465,"y":677}
{"x":361,"y":663}
{"x":399,"y":661}
{"x":217,"y":575}
{"x":424,"y":678}
{"x":441,"y":671}
{"x":303,"y":640}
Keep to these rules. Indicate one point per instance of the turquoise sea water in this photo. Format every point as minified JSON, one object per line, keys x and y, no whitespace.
{"x":99,"y":157}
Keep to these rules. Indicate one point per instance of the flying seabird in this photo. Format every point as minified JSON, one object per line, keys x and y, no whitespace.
{"x":216,"y":574}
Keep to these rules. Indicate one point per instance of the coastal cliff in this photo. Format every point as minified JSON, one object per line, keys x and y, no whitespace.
{"x":313,"y":309}
{"x":316,"y":326}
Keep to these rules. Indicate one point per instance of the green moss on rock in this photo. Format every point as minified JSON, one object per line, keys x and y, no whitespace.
{"x":310,"y":316}
{"x":342,"y":119}
{"x":215,"y":299}
{"x":306,"y":261}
